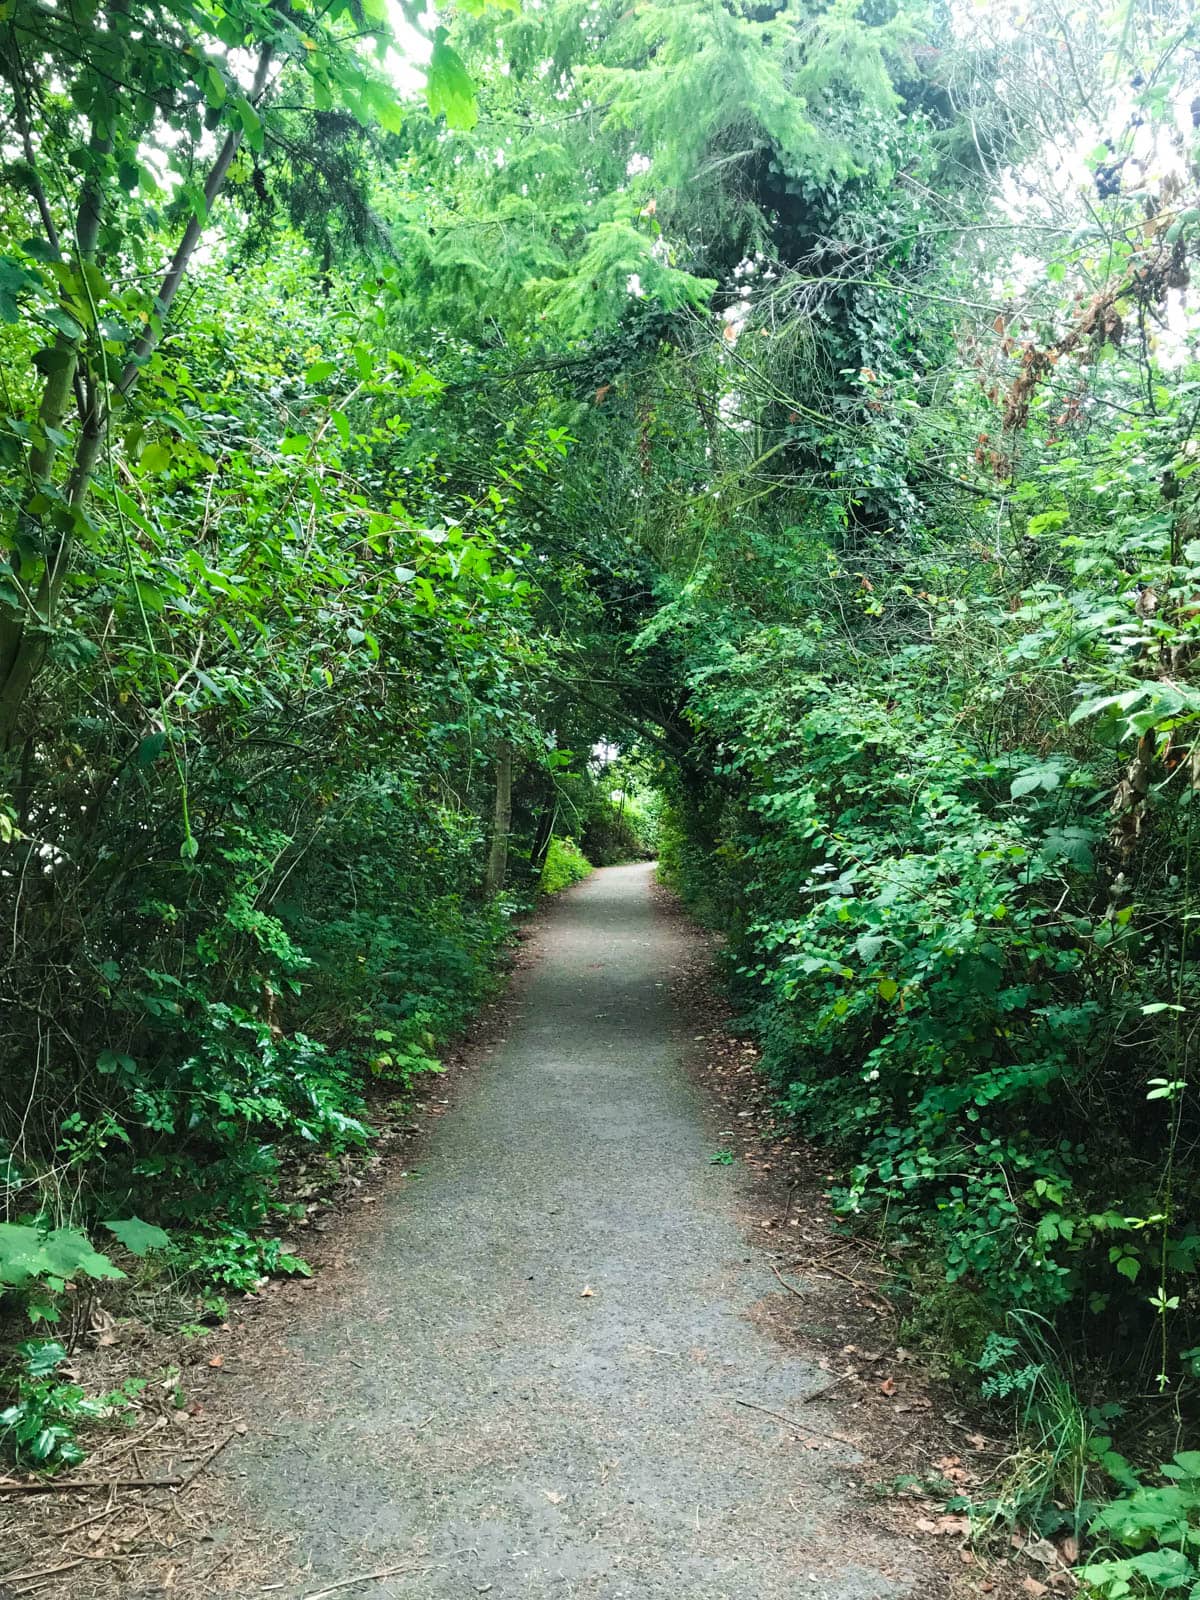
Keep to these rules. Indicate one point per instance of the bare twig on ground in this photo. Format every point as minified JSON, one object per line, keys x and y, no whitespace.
{"x":381,"y":1572}
{"x":91,"y":1484}
{"x":792,"y":1422}
{"x":807,"y":1400}
{"x":107,"y":1457}
{"x":208,"y":1460}
{"x":66,"y":1485}
{"x":790,"y":1287}
{"x":39,"y":1575}
{"x":99,"y":1516}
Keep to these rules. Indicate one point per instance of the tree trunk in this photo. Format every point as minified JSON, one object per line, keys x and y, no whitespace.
{"x":541,"y":839}
{"x":493,"y":880}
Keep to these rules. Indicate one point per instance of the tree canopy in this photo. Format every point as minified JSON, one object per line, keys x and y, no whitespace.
{"x":797,"y":400}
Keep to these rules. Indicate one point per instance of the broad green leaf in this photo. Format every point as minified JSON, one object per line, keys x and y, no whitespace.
{"x":137,"y":1236}
{"x":449,"y":88}
{"x":251,"y":124}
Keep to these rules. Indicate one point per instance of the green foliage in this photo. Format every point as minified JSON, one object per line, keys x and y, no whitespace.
{"x":565,"y":864}
{"x":138,"y":1237}
{"x":233,"y":1259}
{"x":1159,"y":1527}
{"x":38,"y":1428}
{"x":37,"y":1262}
{"x":680,"y":384}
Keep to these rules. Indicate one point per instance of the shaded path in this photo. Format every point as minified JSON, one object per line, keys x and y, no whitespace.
{"x":459,"y":1393}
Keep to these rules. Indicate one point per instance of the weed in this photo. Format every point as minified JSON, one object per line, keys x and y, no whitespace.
{"x":1157,"y":1529}
{"x":37,"y":1430}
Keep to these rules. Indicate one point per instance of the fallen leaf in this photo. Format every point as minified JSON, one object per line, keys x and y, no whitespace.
{"x":217,"y":1361}
{"x":587,"y":1292}
{"x":888,"y":1386}
{"x":1068,"y":1549}
{"x":944,"y":1526}
{"x":1032,"y":1586}
{"x":554,"y":1499}
{"x":1041,"y":1551}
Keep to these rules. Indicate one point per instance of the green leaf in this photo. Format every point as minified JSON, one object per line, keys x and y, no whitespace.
{"x":1040,"y":777}
{"x":29,"y":1254}
{"x":156,"y":457}
{"x":137,"y":1236}
{"x":40,"y":250}
{"x":149,"y":750}
{"x":888,"y":988}
{"x":42,"y":1357}
{"x":319,"y":371}
{"x":13,"y":278}
{"x":251,"y":123}
{"x":449,"y":87}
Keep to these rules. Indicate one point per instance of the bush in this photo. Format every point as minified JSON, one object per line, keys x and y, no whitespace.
{"x":942,"y":993}
{"x":565,"y":864}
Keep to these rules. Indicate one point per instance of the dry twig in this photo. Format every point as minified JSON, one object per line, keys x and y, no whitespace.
{"x":380,"y":1572}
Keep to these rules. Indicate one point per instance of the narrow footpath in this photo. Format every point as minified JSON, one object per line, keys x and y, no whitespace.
{"x":525,"y":1383}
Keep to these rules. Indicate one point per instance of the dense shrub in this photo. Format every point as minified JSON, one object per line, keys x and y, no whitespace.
{"x":565,"y":864}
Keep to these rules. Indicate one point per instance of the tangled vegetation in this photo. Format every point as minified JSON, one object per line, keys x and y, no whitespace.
{"x":764,"y":434}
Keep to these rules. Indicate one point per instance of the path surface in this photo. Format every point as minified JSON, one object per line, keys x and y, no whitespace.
{"x":460,"y":1393}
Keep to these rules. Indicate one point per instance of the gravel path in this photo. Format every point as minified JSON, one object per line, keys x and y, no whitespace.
{"x":462,"y":1406}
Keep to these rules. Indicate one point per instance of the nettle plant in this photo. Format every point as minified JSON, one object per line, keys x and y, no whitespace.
{"x":38,"y":1264}
{"x":1149,"y":1539}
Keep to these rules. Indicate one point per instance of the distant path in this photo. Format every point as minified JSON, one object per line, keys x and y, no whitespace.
{"x":459,"y":1393}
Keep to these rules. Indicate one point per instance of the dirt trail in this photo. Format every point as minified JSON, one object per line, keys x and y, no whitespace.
{"x":459,"y":1404}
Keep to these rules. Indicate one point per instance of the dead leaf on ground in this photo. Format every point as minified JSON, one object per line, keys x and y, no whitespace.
{"x":587,"y":1292}
{"x":1041,"y":1551}
{"x":554,"y":1499}
{"x":944,"y":1526}
{"x":888,"y":1386}
{"x":1033,"y":1587}
{"x":102,"y":1328}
